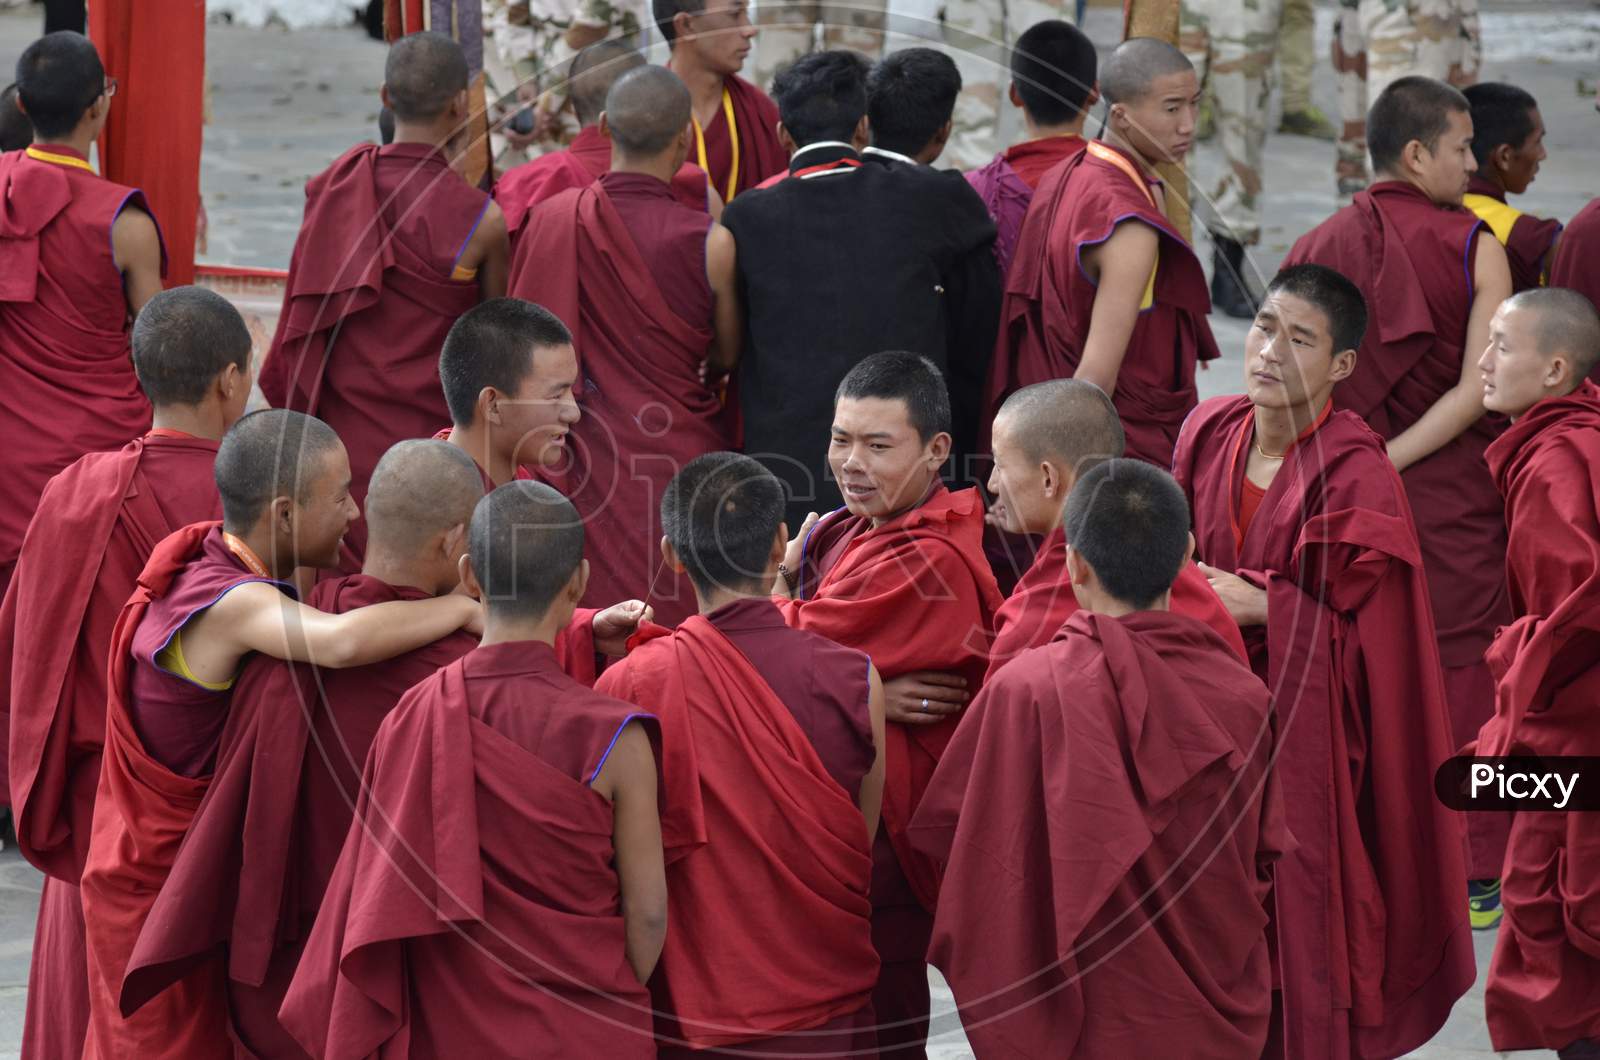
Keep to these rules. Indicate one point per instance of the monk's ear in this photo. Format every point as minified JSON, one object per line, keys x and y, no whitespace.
{"x":939,"y":449}
{"x":669,"y":556}
{"x":780,"y":545}
{"x":604,"y":125}
{"x":786,"y":141}
{"x":1414,"y":155}
{"x":942,"y":137}
{"x":1091,"y":99}
{"x":1079,"y":574}
{"x":1014,"y":96}
{"x":579,"y":583}
{"x":1500,"y":157}
{"x":281,"y":512}
{"x":469,"y":577}
{"x":1558,"y":373}
{"x":383,"y":96}
{"x":1344,"y":366}
{"x":489,"y":405}
{"x":1188,"y":551}
{"x":863,"y":134}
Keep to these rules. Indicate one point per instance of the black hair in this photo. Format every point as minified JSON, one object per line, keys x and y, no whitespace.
{"x":1412,"y":108}
{"x":721,"y":513}
{"x":525,"y":541}
{"x":266,"y":455}
{"x":492,"y":344}
{"x":1054,"y":66}
{"x":183,"y":339}
{"x":1339,"y":300}
{"x":911,"y":94}
{"x":895,"y":375}
{"x":664,"y":11}
{"x":16,"y":131}
{"x":822,"y":96}
{"x":423,"y":73}
{"x":1501,"y":114}
{"x":1130,"y":521}
{"x":58,"y":78}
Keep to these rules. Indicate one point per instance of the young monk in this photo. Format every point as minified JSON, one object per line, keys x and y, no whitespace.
{"x":1508,"y":145}
{"x":1053,"y":72}
{"x":1103,"y":288}
{"x":1305,"y":532}
{"x":258,"y":856}
{"x":899,"y":573}
{"x":1127,"y":755}
{"x":394,"y":247}
{"x":772,"y":755}
{"x":588,"y":157}
{"x":1433,"y":275}
{"x":1544,"y":982}
{"x":83,"y":256}
{"x":530,"y":922}
{"x":735,"y":124}
{"x":509,"y":375}
{"x":649,"y":287}
{"x":1046,"y":437}
{"x":1571,"y":266}
{"x":209,"y":597}
{"x":95,"y":527}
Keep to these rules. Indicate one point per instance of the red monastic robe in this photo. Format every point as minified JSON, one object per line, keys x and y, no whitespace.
{"x":1573,"y":267}
{"x":1544,"y":982}
{"x":1373,"y":945}
{"x":1044,"y":320}
{"x":579,"y":165}
{"x":371,"y":294}
{"x":1042,"y":602}
{"x":1106,"y":824}
{"x":1527,"y":239}
{"x":95,"y":527}
{"x":1413,"y":259}
{"x":767,"y":856}
{"x":67,"y":385}
{"x":646,"y":410}
{"x":752,"y":139}
{"x":475,"y":909}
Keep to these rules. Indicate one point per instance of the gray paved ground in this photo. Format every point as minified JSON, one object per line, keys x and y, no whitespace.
{"x":284,"y":104}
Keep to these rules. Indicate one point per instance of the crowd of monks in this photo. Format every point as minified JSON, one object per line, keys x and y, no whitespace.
{"x":499,"y":690}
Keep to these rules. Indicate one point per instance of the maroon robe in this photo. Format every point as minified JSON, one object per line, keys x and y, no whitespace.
{"x":1373,"y":945}
{"x":475,"y":909}
{"x":1575,"y":254}
{"x":94,"y":529}
{"x":592,"y":257}
{"x":767,"y":855}
{"x":67,"y":385}
{"x":371,"y":294}
{"x":1107,"y":826}
{"x":585,"y":160}
{"x":1544,"y":982}
{"x":1528,"y":239}
{"x":1413,"y":259}
{"x":1007,"y":183}
{"x":755,"y":124}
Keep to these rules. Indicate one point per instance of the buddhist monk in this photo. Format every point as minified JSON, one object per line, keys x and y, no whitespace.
{"x":1103,"y":288}
{"x":209,"y":597}
{"x":1126,"y":756}
{"x":83,"y":255}
{"x":263,"y":844}
{"x":394,"y":247}
{"x":90,"y":537}
{"x":735,"y":124}
{"x":1053,"y":72}
{"x":588,"y":157}
{"x":1544,"y":981}
{"x":1304,"y":529}
{"x":911,"y":104}
{"x":1046,"y":437}
{"x":899,"y":573}
{"x":1575,"y":252}
{"x":771,"y":757}
{"x":649,"y":288}
{"x":16,"y":131}
{"x":1433,"y":275}
{"x":509,"y":375}
{"x":531,"y":920}
{"x":1508,"y":145}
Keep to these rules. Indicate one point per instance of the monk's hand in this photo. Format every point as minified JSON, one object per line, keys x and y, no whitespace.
{"x":790,"y":571}
{"x":613,"y":626}
{"x":924,"y":697}
{"x":1247,"y":603}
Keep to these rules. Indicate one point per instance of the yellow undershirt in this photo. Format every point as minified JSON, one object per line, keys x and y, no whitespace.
{"x":171,"y":660}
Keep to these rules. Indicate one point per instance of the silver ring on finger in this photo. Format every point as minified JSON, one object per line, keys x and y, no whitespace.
{"x":924,"y":706}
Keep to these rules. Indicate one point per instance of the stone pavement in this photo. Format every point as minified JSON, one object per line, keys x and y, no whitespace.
{"x":285,"y":104}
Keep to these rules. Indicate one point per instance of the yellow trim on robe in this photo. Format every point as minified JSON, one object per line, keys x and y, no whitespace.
{"x":462,"y":274}
{"x":171,"y":660}
{"x":1499,"y":216}
{"x":39,"y":155}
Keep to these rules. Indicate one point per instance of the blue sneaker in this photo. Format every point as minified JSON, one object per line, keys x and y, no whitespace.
{"x":1483,"y":904}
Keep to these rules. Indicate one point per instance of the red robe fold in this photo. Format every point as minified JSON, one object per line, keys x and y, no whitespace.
{"x":1007,"y":183}
{"x":95,"y":527}
{"x":1044,"y":319}
{"x":646,"y":412}
{"x":579,"y":165}
{"x":1575,"y":254}
{"x":1106,"y":843}
{"x":369,"y":299}
{"x":475,"y":911}
{"x":1544,"y":982}
{"x":67,"y":385}
{"x":767,"y":856}
{"x":1373,"y":944}
{"x":761,"y":154}
{"x":1413,"y":259}
{"x":1043,"y":601}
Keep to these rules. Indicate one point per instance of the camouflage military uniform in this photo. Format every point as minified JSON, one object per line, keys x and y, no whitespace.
{"x":788,"y":30}
{"x":1232,"y":44}
{"x":1377,"y":42}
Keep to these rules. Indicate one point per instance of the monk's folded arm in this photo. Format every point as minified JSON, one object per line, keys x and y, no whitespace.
{"x":289,"y":630}
{"x":1122,"y":265}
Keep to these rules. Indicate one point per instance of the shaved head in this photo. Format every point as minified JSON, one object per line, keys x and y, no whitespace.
{"x":646,"y":111}
{"x":526,"y":540}
{"x":421,"y":488}
{"x":1068,"y":422}
{"x":594,"y":71}
{"x":1136,"y":64}
{"x":1564,"y":322}
{"x":183,"y":339}
{"x":270,"y":454}
{"x":424,"y":72}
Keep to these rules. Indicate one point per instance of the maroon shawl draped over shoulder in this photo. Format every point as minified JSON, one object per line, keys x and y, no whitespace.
{"x":1575,"y":253}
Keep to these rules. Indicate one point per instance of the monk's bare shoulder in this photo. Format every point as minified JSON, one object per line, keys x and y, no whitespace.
{"x":134,"y":237}
{"x":489,"y":235}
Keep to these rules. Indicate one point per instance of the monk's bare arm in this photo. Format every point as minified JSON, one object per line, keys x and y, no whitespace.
{"x":489,"y":251}
{"x":629,"y":781}
{"x":258,"y":618}
{"x":714,"y":203}
{"x":136,"y":248}
{"x":871,"y":801}
{"x":1462,"y":405}
{"x":1120,"y":268}
{"x":722,"y":271}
